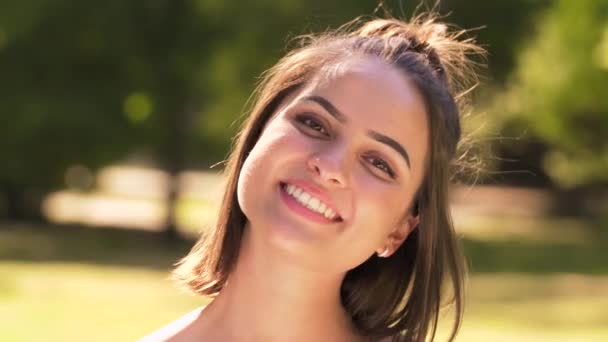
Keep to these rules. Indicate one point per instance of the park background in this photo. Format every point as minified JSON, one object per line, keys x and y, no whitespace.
{"x":113,"y":113}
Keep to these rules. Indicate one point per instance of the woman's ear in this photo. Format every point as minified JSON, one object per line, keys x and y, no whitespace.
{"x":398,"y":236}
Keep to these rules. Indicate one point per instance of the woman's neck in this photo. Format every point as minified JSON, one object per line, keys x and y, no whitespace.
{"x":269,"y":299}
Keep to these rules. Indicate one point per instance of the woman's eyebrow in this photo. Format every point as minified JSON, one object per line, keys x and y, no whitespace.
{"x":391,"y":143}
{"x":328,"y":106}
{"x":333,"y":111}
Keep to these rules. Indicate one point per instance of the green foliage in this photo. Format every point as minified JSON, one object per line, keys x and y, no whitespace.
{"x":558,"y":92}
{"x":89,"y":85}
{"x":62,"y":91}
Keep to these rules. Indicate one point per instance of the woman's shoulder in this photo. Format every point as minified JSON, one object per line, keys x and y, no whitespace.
{"x":175,"y":331}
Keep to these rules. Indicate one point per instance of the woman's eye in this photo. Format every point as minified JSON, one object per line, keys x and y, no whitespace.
{"x":312,"y":124}
{"x":382,"y":166}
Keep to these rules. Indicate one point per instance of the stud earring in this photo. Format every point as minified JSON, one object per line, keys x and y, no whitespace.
{"x":384,"y":253}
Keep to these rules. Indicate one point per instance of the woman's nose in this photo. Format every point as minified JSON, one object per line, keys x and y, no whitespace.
{"x":328,"y":169}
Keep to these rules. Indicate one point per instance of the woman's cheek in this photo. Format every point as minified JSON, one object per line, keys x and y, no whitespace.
{"x":373,"y":188}
{"x":289,"y":137}
{"x":274,"y":138}
{"x":377,"y":196}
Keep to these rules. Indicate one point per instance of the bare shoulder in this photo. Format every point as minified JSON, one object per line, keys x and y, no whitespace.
{"x":174,"y":331}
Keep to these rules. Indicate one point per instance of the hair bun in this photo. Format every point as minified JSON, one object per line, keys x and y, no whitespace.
{"x":445,"y":50}
{"x":419,"y":37}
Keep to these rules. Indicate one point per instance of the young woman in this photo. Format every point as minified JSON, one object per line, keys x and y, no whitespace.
{"x":335,"y":223}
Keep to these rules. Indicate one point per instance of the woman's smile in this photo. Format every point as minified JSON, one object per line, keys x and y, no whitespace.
{"x":308,"y":203}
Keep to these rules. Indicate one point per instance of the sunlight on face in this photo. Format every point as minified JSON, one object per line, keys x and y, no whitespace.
{"x":337,"y":166}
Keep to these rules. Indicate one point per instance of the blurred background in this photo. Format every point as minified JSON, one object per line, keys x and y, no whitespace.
{"x":112,"y":114}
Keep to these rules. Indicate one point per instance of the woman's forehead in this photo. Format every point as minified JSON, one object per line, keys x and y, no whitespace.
{"x":373,"y":91}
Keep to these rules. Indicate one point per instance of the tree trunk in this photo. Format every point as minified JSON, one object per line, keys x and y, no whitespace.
{"x":174,"y":111}
{"x":14,"y":203}
{"x":21,"y":204}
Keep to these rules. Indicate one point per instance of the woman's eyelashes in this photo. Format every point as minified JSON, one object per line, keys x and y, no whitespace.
{"x":313,"y":126}
{"x":381,"y":165}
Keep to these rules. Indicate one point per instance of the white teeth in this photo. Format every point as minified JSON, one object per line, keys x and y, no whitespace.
{"x":290,"y":188}
{"x":309,"y":201}
{"x":304,"y":198}
{"x":313,"y":204}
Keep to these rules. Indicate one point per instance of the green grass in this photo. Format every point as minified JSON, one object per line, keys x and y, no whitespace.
{"x":516,"y":307}
{"x":80,"y":302}
{"x":83,"y":284}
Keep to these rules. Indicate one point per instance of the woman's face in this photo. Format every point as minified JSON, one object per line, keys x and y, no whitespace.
{"x":336,"y":168}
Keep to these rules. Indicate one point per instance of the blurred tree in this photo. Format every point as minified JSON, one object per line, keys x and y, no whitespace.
{"x":498,"y":25}
{"x":87,"y":85}
{"x":558,"y":95}
{"x":59,"y":104}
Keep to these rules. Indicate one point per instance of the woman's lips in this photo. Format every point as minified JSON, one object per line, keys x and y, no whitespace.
{"x":298,"y":208}
{"x":315,"y":191}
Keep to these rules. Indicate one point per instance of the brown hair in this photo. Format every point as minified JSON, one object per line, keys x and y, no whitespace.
{"x":398,"y":296}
